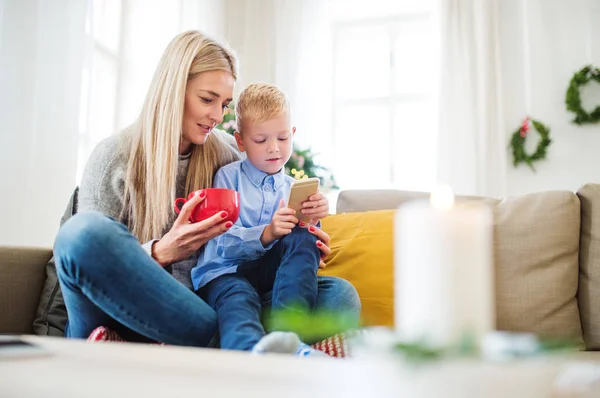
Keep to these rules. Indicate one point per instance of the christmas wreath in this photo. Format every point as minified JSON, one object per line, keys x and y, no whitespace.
{"x":573,"y":99}
{"x":517,"y":143}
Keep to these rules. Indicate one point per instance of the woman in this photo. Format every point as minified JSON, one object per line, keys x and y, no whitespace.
{"x":126,"y":197}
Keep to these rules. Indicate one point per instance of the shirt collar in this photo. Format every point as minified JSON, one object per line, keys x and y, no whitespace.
{"x":257,"y":177}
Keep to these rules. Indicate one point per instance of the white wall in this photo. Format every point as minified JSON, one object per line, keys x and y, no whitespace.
{"x":563,"y":37}
{"x":41,"y":53}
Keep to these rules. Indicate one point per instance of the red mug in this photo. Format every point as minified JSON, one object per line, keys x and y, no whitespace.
{"x":216,"y":200}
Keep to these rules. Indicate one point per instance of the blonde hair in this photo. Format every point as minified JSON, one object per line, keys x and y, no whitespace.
{"x":150,"y":183}
{"x":260,"y":102}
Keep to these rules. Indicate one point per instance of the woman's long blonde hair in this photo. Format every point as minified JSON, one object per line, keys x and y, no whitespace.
{"x":151,"y":180}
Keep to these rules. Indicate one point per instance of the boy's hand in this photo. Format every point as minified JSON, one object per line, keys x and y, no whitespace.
{"x":317,"y":207}
{"x":284,"y":220}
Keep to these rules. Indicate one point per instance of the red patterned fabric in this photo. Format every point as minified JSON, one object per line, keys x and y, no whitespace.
{"x":334,"y":346}
{"x":104,"y":334}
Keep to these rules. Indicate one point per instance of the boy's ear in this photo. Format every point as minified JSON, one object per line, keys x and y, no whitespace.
{"x":293,"y":130}
{"x":238,"y":139}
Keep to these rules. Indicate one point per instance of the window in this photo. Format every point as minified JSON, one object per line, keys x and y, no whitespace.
{"x":385,"y":94}
{"x":126,"y":39}
{"x":100,"y":76}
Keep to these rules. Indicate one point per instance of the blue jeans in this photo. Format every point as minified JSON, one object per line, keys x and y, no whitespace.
{"x":288,"y":271}
{"x":108,"y":279}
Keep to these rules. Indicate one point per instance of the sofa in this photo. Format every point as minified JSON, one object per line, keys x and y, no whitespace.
{"x":546,"y":259}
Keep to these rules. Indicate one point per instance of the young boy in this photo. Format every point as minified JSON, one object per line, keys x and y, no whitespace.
{"x":264,"y":251}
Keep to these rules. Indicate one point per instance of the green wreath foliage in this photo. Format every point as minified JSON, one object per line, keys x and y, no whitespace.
{"x":573,"y":98}
{"x":517,"y":144}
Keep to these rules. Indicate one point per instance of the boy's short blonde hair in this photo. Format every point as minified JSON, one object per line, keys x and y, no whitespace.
{"x":260,"y":102}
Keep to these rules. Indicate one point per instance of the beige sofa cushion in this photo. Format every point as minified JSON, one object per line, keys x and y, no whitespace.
{"x":22,"y":273}
{"x":589,"y":259}
{"x":536,"y":241}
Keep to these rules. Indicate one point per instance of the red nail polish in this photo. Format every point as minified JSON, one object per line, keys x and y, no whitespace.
{"x":311,"y":229}
{"x":228,"y":224}
{"x":302,"y":224}
{"x":223,"y":214}
{"x":202,"y":194}
{"x":319,"y":244}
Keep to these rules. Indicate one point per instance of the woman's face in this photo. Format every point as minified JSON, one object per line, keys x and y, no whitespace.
{"x":206,"y":97}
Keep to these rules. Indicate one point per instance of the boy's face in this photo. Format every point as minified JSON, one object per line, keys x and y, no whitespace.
{"x":268,"y":145}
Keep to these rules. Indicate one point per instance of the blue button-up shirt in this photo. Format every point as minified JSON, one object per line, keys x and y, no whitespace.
{"x":260,"y":195}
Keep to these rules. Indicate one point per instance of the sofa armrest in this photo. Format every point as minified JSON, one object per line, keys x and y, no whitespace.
{"x":22,"y":275}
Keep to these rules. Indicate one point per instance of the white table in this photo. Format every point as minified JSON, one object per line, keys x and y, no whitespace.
{"x":80,"y":369}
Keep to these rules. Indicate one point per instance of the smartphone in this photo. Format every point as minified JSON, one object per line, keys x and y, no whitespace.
{"x":13,"y":347}
{"x":300,"y":192}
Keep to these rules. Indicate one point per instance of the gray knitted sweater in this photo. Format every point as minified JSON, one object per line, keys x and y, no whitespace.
{"x":102,"y":189}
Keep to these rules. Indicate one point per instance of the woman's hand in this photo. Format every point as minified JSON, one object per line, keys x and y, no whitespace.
{"x":185,"y":238}
{"x":322,"y":241}
{"x":316,"y":207}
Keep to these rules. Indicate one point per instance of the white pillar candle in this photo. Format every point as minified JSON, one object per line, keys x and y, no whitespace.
{"x":443,"y":270}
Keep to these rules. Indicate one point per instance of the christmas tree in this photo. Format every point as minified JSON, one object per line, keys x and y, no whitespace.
{"x":302,"y":162}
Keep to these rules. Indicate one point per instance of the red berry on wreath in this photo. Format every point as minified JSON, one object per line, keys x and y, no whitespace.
{"x":517,"y":143}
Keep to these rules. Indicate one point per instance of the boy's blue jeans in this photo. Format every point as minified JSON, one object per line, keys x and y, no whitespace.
{"x":289,"y":270}
{"x":107,"y":279}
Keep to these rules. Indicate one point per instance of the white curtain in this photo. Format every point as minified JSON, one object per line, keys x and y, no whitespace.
{"x":304,"y":69}
{"x":287,"y":42}
{"x":42,"y":47}
{"x":472,"y":146}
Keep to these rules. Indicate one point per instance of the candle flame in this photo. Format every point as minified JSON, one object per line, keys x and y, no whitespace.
{"x":442,"y":198}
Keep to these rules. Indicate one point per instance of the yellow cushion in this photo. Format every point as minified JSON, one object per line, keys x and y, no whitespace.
{"x":362,"y":253}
